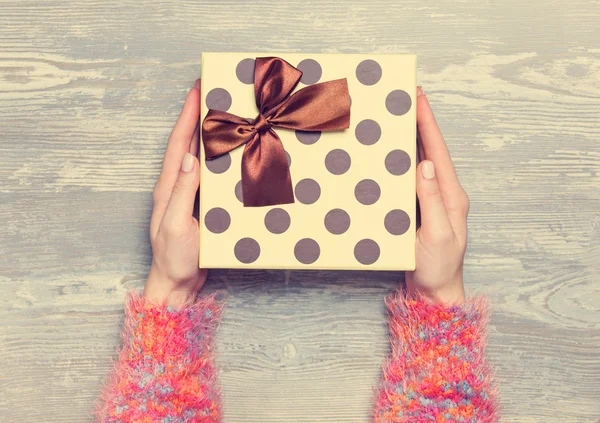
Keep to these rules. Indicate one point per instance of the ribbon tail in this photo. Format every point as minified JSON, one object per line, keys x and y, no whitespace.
{"x":266,"y":179}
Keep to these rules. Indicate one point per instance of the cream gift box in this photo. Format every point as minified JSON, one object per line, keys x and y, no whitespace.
{"x":354,"y":189}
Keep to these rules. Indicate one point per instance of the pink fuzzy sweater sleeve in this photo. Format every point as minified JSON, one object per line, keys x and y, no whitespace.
{"x":437,"y":371}
{"x":165,"y":371}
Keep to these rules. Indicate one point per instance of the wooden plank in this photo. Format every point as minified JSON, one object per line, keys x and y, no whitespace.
{"x":89,"y":91}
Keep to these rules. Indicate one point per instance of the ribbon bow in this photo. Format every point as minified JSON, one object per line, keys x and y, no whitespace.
{"x":266,"y":179}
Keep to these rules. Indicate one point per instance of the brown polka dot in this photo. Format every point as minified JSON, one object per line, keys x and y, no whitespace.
{"x":307,"y":191}
{"x":245,"y":71}
{"x":289,"y":159}
{"x":397,"y":162}
{"x":398,"y":102}
{"x":217,"y":220}
{"x":337,"y":161}
{"x":311,"y":71}
{"x":220,"y":164}
{"x":367,"y":192}
{"x":397,"y":222}
{"x":218,"y":99}
{"x":368,"y":132}
{"x":337,"y":221}
{"x":246,"y":250}
{"x":366,"y":251}
{"x":307,"y":251}
{"x":308,"y":137}
{"x":277,"y":221}
{"x":238,"y":192}
{"x":368,"y":72}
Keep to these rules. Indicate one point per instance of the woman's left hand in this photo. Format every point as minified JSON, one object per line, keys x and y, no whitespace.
{"x":174,"y":276}
{"x":442,"y":238}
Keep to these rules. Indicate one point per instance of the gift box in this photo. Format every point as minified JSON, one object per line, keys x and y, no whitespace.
{"x":308,"y":161}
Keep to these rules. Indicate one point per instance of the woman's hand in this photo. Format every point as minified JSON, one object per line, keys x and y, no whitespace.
{"x":174,"y":276}
{"x":442,"y":238}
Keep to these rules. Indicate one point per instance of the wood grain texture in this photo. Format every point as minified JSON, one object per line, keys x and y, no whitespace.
{"x":89,"y":91}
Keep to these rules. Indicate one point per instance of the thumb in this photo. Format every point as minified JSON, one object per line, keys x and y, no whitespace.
{"x":181,"y":204}
{"x":435,"y":224}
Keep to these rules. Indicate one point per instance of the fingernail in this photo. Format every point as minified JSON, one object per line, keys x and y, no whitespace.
{"x":197,"y":84}
{"x":188,"y":162}
{"x":420,"y":91}
{"x":428,"y":170}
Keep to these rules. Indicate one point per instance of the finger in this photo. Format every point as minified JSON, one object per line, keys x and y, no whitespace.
{"x":420,"y":152}
{"x":195,"y":140}
{"x":181,"y":204}
{"x":181,"y":137}
{"x":435,"y":224}
{"x":177,"y":146}
{"x":194,"y":145}
{"x":435,"y":148}
{"x":194,"y":148}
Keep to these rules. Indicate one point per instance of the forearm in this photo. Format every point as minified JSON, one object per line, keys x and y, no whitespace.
{"x":437,"y":370}
{"x":165,"y":370}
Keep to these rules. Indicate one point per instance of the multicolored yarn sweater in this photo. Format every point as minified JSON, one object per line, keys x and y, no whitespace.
{"x":437,"y":371}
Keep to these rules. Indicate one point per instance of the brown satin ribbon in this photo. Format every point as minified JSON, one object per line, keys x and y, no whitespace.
{"x":266,"y":177}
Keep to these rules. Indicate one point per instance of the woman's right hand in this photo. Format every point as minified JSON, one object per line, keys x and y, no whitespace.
{"x":442,"y":238}
{"x":174,"y":277}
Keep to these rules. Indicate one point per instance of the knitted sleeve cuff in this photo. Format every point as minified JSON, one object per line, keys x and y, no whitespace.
{"x":166,"y":366}
{"x":437,"y":367}
{"x":176,"y":337}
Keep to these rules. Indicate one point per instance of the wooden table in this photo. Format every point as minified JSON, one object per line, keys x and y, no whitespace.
{"x":89,"y":91}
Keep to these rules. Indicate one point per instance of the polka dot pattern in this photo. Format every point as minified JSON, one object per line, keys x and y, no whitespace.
{"x":343,"y":215}
{"x":398,"y":102}
{"x":307,"y":251}
{"x":277,"y":221}
{"x":245,"y":71}
{"x":366,"y":251}
{"x":337,"y":161}
{"x":238,"y":192}
{"x":217,"y":220}
{"x":311,"y":71}
{"x":220,"y":164}
{"x":397,"y":222}
{"x":368,"y":132}
{"x":367,"y":192}
{"x":307,"y":191}
{"x":337,"y":221}
{"x":218,"y":99}
{"x":247,"y":250}
{"x":308,"y":137}
{"x":368,"y":72}
{"x":397,"y":162}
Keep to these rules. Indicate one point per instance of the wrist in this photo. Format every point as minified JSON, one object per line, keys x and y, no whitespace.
{"x":160,"y":289}
{"x":450,"y":293}
{"x":447,"y":296}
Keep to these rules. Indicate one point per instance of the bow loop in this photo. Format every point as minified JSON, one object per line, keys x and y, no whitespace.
{"x":266,"y":179}
{"x":274,"y":81}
